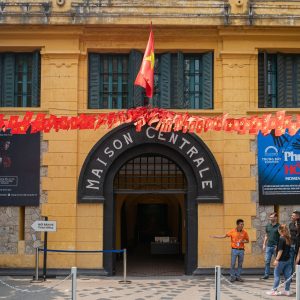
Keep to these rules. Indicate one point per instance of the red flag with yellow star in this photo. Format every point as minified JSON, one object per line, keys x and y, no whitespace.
{"x":145,"y":77}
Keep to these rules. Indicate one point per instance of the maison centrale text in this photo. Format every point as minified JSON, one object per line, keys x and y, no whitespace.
{"x":127,"y":140}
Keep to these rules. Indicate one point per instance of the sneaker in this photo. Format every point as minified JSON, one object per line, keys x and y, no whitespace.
{"x":264,"y":277}
{"x":239,"y":279}
{"x":232,"y":279}
{"x":286,"y":293}
{"x":273,"y":293}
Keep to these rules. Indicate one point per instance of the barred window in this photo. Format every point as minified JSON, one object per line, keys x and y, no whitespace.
{"x":20,"y":79}
{"x":278,"y":80}
{"x":150,"y":172}
{"x":180,"y":81}
{"x":108,"y":83}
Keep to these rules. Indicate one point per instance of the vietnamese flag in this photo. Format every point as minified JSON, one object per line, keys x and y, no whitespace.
{"x":145,"y":77}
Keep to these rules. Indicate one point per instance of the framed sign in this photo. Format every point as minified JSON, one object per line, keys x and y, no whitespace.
{"x":19,"y":169}
{"x":279,"y":169}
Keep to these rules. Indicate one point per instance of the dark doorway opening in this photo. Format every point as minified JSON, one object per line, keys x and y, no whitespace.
{"x":149,"y":193}
{"x":151,"y":231}
{"x":185,"y":187}
{"x":152,"y":221}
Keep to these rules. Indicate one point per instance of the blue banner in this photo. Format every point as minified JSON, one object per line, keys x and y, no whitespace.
{"x":279,"y":169}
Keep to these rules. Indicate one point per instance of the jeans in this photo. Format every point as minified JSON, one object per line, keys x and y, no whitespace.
{"x":285,"y":268}
{"x":270,"y":251}
{"x":236,"y":254}
{"x":292,"y":257}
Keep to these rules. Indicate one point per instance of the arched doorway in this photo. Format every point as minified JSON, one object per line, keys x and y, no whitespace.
{"x":123,"y":144}
{"x":149,"y":204}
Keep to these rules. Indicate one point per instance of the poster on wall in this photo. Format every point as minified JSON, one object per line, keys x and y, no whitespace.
{"x":19,"y":169}
{"x":279,"y":169}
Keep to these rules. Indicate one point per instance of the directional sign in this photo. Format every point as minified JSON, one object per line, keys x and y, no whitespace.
{"x":44,"y":226}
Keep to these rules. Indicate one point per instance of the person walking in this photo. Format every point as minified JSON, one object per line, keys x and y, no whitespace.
{"x":270,"y":242}
{"x":282,"y":262}
{"x":297,"y":247}
{"x":295,"y":218}
{"x":239,"y":237}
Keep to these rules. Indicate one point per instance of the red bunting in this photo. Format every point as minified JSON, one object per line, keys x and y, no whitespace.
{"x":161,"y":119}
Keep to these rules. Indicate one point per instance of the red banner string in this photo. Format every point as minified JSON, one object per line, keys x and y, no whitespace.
{"x":161,"y":119}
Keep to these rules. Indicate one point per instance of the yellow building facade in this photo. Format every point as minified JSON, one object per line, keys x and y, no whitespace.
{"x":65,"y":32}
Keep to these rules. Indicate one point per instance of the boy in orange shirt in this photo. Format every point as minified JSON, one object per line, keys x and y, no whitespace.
{"x":239,"y":237}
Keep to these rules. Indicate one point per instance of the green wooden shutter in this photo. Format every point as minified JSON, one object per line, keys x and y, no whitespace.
{"x":262,"y":75}
{"x":9,"y":80}
{"x":297,"y":81}
{"x":289,"y":80}
{"x":207,"y":82}
{"x":36,"y":79}
{"x":177,"y":97}
{"x":1,"y":80}
{"x":120,"y":75}
{"x":281,"y":73}
{"x":165,"y":80}
{"x":191,"y":83}
{"x":94,"y":80}
{"x":284,"y":80}
{"x":135,"y":93}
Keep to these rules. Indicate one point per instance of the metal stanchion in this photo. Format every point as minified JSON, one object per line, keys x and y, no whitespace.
{"x":217,"y":283}
{"x":74,"y":276}
{"x":37,"y":264}
{"x":36,"y":276}
{"x":297,"y":282}
{"x":124,"y":268}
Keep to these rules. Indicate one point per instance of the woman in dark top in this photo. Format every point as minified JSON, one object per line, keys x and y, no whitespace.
{"x":297,"y":244}
{"x":282,"y":262}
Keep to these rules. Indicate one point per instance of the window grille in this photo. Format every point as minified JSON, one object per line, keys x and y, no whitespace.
{"x":19,"y":79}
{"x":182,"y":81}
{"x":278,"y":80}
{"x":150,"y":172}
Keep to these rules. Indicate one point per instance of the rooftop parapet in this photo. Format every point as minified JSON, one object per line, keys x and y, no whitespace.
{"x":164,"y":12}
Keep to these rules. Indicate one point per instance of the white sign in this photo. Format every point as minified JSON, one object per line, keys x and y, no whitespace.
{"x":44,"y":226}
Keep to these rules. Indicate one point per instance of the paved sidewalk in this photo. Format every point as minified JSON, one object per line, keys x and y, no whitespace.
{"x":153,"y":288}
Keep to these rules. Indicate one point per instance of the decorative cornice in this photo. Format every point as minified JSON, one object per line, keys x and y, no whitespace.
{"x":138,"y":12}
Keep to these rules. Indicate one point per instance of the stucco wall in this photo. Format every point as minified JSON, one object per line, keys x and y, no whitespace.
{"x":64,"y":91}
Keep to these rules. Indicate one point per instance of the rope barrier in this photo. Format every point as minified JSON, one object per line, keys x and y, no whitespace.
{"x":36,"y":291}
{"x":238,"y":288}
{"x":80,"y":251}
{"x":283,"y":283}
{"x":45,"y":250}
{"x":234,"y":287}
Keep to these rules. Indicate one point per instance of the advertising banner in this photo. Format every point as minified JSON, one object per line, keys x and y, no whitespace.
{"x":279,"y":169}
{"x":19,"y":169}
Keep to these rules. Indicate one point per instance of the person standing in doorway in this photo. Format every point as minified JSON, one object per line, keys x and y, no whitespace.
{"x":239,"y":237}
{"x":270,"y":242}
{"x":295,"y":218}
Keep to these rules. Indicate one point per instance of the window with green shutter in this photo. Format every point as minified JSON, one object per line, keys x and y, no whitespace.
{"x":20,"y":79}
{"x":182,"y":81}
{"x":278,"y":80}
{"x":108,"y":81}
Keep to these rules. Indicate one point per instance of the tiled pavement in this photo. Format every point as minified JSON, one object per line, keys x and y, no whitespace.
{"x":152,"y":288}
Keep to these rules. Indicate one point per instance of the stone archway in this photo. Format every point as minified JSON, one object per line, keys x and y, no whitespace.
{"x":204,"y":181}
